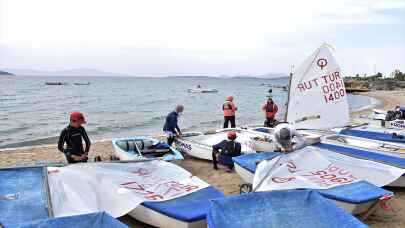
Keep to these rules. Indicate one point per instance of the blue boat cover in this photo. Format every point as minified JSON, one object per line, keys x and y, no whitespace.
{"x":290,"y":208}
{"x":364,"y":154}
{"x":250,"y":161}
{"x":94,"y":220}
{"x":189,"y":208}
{"x":372,"y":135}
{"x":358,"y":192}
{"x":262,"y":129}
{"x":23,"y":195}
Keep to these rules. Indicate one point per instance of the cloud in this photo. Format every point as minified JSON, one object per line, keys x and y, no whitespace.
{"x":207,"y":36}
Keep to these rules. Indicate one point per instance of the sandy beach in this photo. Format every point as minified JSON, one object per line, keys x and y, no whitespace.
{"x":226,"y":182}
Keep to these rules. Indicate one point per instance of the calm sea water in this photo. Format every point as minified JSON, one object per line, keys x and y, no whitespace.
{"x":33,"y":113}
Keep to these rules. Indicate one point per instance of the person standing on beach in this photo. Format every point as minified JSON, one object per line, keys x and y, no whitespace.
{"x":73,"y":136}
{"x":270,"y":109}
{"x":229,"y":109}
{"x":171,"y":127}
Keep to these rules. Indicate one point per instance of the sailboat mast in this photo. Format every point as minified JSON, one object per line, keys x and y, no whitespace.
{"x":289,"y":91}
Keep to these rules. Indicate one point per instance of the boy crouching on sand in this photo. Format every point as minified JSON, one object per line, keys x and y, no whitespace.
{"x":223,"y":152}
{"x":72,"y":135}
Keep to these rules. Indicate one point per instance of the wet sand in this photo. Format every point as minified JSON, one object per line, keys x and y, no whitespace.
{"x":226,"y":182}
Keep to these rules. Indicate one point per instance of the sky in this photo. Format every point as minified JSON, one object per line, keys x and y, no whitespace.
{"x":200,"y":37}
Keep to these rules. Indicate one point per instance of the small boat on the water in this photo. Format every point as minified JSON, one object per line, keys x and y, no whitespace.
{"x":142,"y":147}
{"x":55,"y":83}
{"x":79,"y":83}
{"x":294,"y":208}
{"x":201,"y":90}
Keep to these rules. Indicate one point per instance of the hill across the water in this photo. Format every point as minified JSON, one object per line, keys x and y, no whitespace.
{"x":5,"y":73}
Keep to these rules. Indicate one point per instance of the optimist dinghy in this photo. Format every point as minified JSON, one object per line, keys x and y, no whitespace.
{"x":136,"y":148}
{"x":375,"y":133}
{"x":293,"y":208}
{"x":370,"y":156}
{"x":155,"y":192}
{"x":24,"y":195}
{"x":199,"y":145}
{"x":375,"y":146}
{"x":201,"y":90}
{"x":356,"y":198}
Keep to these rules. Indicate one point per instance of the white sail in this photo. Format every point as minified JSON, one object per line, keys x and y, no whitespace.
{"x":318,"y":96}
{"x":116,"y":188}
{"x":316,"y":168}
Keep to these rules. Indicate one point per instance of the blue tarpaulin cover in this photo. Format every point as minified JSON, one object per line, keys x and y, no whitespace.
{"x":23,"y":195}
{"x":358,"y":192}
{"x":290,"y":208}
{"x":189,"y":208}
{"x":372,"y":135}
{"x":389,"y":160}
{"x":250,"y":161}
{"x":93,"y":220}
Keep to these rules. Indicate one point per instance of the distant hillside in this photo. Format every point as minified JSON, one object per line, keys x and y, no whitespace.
{"x":72,"y":72}
{"x":250,"y":76}
{"x":5,"y":73}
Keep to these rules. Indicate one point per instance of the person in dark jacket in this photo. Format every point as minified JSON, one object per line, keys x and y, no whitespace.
{"x":223,"y":152}
{"x":73,"y":136}
{"x":171,"y":127}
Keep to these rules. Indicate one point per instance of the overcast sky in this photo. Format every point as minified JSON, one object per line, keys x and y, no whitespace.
{"x":200,"y":37}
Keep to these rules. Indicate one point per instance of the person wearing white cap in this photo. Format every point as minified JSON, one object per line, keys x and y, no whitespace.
{"x":287,"y":139}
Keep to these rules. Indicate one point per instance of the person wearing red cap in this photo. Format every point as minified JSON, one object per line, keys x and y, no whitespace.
{"x":229,"y":109}
{"x":223,"y":152}
{"x":73,"y":136}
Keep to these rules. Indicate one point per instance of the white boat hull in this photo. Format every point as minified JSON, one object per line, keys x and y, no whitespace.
{"x":199,"y":145}
{"x":380,"y":147}
{"x":193,"y":149}
{"x":350,"y":207}
{"x":151,"y":217}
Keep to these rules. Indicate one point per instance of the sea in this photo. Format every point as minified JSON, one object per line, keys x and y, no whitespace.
{"x":33,"y":113}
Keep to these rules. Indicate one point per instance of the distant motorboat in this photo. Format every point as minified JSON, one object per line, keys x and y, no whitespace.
{"x":201,"y":90}
{"x":284,"y":88}
{"x":55,"y":83}
{"x":79,"y":84}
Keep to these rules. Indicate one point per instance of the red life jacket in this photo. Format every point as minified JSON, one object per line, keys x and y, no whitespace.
{"x":271,"y":110}
{"x":229,"y":108}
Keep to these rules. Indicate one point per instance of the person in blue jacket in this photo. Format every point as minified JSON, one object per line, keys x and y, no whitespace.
{"x":223,"y":152}
{"x":171,"y":127}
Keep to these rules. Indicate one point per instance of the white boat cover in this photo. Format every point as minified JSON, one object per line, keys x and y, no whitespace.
{"x":317,"y":93}
{"x":317,"y":168}
{"x":117,"y":188}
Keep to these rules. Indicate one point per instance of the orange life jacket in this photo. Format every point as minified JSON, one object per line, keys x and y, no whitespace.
{"x":229,"y":108}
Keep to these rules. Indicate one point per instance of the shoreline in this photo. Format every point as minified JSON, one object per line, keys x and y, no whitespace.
{"x":228,"y":183}
{"x":356,"y":112}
